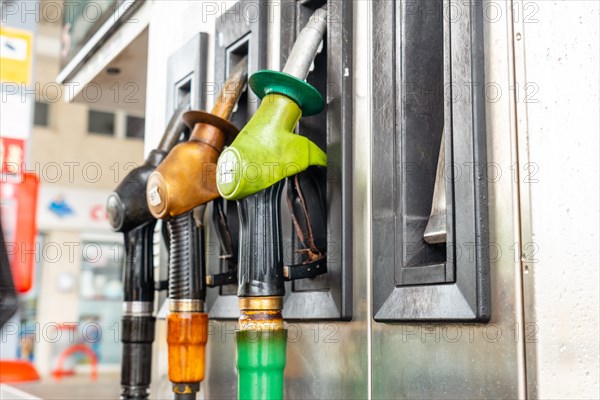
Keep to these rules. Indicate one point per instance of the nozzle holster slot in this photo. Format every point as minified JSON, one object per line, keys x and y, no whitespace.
{"x":415,"y":61}
{"x":317,"y":221}
{"x":234,"y":41}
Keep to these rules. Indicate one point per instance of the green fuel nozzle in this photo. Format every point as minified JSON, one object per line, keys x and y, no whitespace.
{"x":251,"y":170}
{"x":267,"y":150}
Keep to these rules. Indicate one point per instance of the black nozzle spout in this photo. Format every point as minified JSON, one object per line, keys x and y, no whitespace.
{"x":185,"y":391}
{"x":137,"y":336}
{"x":175,"y":127}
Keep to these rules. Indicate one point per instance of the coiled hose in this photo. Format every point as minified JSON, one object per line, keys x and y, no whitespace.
{"x":187,"y":324}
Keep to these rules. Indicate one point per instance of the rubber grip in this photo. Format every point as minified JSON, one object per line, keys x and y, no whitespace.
{"x":260,"y":255}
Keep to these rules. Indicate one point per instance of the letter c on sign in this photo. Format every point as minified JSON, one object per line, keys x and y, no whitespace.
{"x":98,"y":213}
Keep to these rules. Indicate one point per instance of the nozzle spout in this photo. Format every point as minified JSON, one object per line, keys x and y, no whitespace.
{"x":232,"y":90}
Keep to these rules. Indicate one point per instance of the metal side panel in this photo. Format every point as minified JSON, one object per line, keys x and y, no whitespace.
{"x":467,"y":361}
{"x":557,"y":121}
{"x":429,"y":80}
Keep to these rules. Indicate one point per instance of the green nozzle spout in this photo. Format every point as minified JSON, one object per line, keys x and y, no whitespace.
{"x":260,"y":364}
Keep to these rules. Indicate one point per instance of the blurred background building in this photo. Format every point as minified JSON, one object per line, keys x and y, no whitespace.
{"x":79,"y":151}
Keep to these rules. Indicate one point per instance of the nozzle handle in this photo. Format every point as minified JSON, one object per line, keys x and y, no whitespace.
{"x":138,"y":271}
{"x":260,"y":268}
{"x":186,"y":262}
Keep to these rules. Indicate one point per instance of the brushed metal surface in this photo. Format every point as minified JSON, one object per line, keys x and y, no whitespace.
{"x":560,"y":218}
{"x":419,"y":361}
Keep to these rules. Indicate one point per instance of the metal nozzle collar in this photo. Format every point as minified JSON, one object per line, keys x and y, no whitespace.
{"x":186,"y":305}
{"x":138,"y":308}
{"x":261,"y":303}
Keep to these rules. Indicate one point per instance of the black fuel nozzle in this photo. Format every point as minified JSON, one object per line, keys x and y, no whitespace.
{"x":128,"y":213}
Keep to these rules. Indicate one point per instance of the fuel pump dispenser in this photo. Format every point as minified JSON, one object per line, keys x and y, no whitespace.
{"x":185,"y":180}
{"x":252,"y":171}
{"x":128,"y":213}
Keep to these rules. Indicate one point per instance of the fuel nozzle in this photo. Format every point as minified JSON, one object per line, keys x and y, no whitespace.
{"x":267,"y":150}
{"x":251,"y":170}
{"x":186,"y":178}
{"x":128,"y":213}
{"x":187,"y":323}
{"x":186,"y":181}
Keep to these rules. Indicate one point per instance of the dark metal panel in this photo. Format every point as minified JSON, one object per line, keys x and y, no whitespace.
{"x":413,"y":68}
{"x":240,"y":31}
{"x":329,"y":296}
{"x":417,"y":360}
{"x":186,"y":73}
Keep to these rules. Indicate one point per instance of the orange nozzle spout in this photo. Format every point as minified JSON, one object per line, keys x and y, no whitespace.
{"x":187,"y":334}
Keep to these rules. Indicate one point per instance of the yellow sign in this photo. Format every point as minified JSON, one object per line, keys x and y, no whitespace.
{"x":16,"y":54}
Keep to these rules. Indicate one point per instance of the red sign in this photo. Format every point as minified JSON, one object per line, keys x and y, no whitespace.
{"x":98,"y":213}
{"x":12,"y":155}
{"x":18,"y":200}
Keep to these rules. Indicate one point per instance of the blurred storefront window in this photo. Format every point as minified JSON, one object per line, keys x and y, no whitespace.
{"x":41,"y":114}
{"x":135,"y":127}
{"x":100,"y":294}
{"x":29,"y":334}
{"x":101,"y":122}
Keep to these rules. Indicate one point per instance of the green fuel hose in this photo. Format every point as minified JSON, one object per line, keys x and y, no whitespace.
{"x":260,"y":364}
